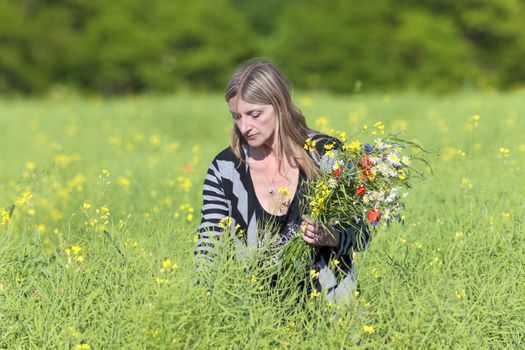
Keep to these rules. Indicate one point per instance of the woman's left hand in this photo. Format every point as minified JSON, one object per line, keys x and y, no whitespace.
{"x":316,"y":234}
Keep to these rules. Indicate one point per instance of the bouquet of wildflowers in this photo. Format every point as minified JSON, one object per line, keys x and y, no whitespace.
{"x":361,"y":184}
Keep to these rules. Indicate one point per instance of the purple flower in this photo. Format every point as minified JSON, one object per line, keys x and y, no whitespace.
{"x":367,"y":148}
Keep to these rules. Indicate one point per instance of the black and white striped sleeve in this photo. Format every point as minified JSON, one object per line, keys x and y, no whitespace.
{"x":353,"y":237}
{"x":215,"y":206}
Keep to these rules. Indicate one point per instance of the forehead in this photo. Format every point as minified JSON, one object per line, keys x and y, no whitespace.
{"x":237,"y":104}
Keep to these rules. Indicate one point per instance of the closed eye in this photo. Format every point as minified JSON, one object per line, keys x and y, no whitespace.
{"x":235,"y":116}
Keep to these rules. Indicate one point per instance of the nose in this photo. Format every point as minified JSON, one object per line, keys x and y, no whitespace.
{"x":244,"y":125}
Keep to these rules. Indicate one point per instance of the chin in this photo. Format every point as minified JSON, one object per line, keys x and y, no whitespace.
{"x":256,"y":142}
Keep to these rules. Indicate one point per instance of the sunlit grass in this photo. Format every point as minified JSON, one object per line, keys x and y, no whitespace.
{"x":99,"y":202}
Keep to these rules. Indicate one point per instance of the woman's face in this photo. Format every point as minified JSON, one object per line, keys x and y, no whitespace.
{"x":255,"y":122}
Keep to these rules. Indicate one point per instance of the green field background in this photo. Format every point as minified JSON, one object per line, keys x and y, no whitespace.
{"x":451,"y":277}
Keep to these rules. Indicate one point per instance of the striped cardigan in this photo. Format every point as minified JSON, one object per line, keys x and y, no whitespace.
{"x":228,"y":191}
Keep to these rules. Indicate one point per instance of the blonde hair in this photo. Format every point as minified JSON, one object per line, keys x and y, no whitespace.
{"x":260,"y":82}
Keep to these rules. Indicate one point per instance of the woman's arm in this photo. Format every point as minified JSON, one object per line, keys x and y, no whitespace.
{"x":215,"y":207}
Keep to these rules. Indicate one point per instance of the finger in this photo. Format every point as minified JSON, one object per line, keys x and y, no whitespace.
{"x":311,"y":231}
{"x":307,"y":219}
{"x":309,"y":240}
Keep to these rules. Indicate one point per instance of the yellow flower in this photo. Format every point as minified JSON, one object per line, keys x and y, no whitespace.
{"x":504,"y":152}
{"x":30,"y":166}
{"x":76,"y":249}
{"x":314,"y":295}
{"x":329,"y":146}
{"x":161,"y":281}
{"x":122,"y":181}
{"x":402,"y":240}
{"x":23,"y":199}
{"x":466,"y":183}
{"x":368,"y":329}
{"x":105,"y":173}
{"x":80,"y":259}
{"x":225,"y":222}
{"x":380,"y":127}
{"x":458,"y":235}
{"x":82,"y":346}
{"x":342,"y":136}
{"x":460,"y":294}
{"x":284,"y":191}
{"x":505,"y":215}
{"x":166,"y":264}
{"x":4,"y":217}
{"x":185,"y":183}
{"x":313,"y":273}
{"x":86,"y":205}
{"x":41,"y":228}
{"x":309,"y":145}
{"x":353,"y":146}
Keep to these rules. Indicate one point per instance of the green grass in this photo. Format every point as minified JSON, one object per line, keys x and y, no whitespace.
{"x":451,"y":277}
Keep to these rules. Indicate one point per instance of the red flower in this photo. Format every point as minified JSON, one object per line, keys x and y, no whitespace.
{"x":374,"y":215}
{"x":337,"y":172}
{"x":360,"y":190}
{"x":365,"y":163}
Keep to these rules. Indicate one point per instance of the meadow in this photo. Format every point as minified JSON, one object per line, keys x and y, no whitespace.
{"x":100,"y":200}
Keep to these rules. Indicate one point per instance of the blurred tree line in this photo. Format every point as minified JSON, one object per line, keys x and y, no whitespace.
{"x":127,"y":46}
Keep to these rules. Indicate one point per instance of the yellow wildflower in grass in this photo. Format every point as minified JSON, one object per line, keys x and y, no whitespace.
{"x":315,"y":294}
{"x":402,"y":240}
{"x":41,"y":228}
{"x":417,"y":245}
{"x":104,"y":215}
{"x":504,"y":152}
{"x":380,"y":127}
{"x":86,"y":206}
{"x":167,"y":265}
{"x":23,"y":199}
{"x":82,"y":346}
{"x":105,"y":173}
{"x":30,"y":166}
{"x":436,"y":262}
{"x":461,"y":153}
{"x":313,"y":273}
{"x":460,"y":294}
{"x":185,"y":183}
{"x":342,"y":136}
{"x":449,"y":153}
{"x":76,"y":249}
{"x":368,"y":329}
{"x":123,"y":182}
{"x":505,"y":215}
{"x":458,"y":235}
{"x":154,"y":140}
{"x":161,"y":281}
{"x":4,"y":217}
{"x":466,"y":183}
{"x":226,"y":222}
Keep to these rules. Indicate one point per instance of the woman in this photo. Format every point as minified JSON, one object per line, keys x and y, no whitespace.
{"x":258,"y":178}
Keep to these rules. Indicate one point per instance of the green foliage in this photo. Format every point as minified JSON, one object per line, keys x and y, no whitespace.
{"x":451,"y":277}
{"x":114,"y":47}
